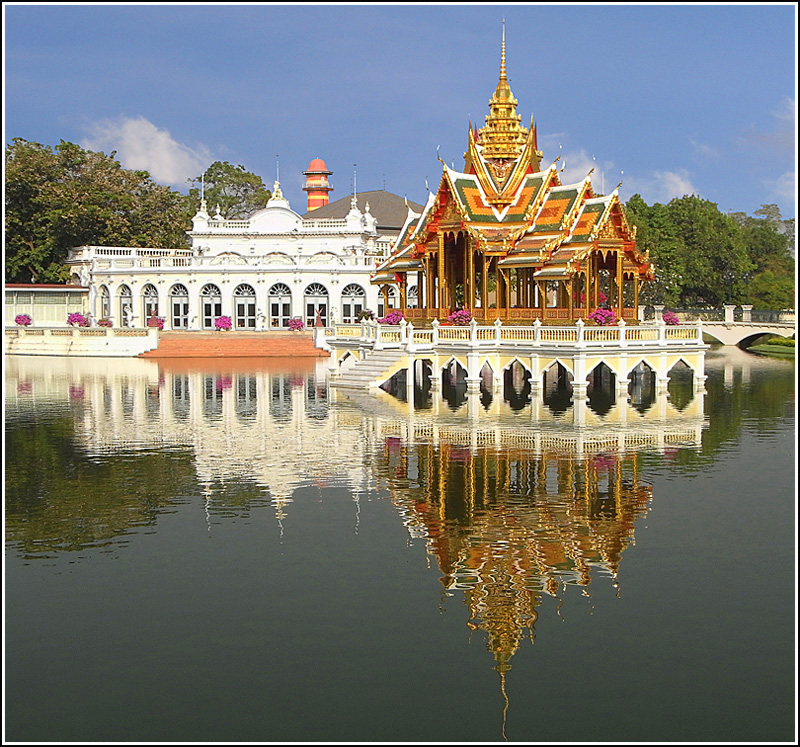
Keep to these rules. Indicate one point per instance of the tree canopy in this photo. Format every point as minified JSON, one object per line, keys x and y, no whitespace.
{"x":238,"y":193}
{"x":706,"y":258}
{"x":62,"y":197}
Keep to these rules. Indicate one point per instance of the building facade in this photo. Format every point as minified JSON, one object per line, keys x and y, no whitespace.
{"x":262,"y":272}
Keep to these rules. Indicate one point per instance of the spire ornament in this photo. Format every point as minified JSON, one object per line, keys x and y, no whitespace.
{"x":503,"y":137}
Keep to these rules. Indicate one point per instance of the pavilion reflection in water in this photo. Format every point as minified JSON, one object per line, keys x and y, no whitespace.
{"x":514,"y":505}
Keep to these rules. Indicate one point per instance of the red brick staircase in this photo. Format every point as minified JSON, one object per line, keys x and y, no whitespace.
{"x":174,"y":344}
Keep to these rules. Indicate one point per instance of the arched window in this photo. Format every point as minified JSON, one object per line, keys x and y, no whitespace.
{"x":244,"y":302}
{"x":280,"y":306}
{"x":412,"y":299}
{"x":105,"y":303}
{"x":353,"y":302}
{"x":179,"y":306}
{"x":211,"y":300}
{"x":125,"y":306}
{"x":316,"y":303}
{"x":149,"y":301}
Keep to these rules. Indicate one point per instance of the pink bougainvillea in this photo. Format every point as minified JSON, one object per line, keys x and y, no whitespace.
{"x":393,"y":317}
{"x":603,"y":317}
{"x":460,"y":317}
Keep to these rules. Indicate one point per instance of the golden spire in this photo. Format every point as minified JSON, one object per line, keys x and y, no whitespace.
{"x":503,"y":54}
{"x":503,"y":137}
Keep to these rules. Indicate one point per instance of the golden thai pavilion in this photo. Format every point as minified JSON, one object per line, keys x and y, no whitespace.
{"x":506,"y":239}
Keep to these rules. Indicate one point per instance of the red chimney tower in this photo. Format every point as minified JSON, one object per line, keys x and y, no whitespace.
{"x":317,"y":184}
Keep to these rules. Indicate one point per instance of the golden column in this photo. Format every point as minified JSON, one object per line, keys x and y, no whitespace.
{"x":442,"y":295}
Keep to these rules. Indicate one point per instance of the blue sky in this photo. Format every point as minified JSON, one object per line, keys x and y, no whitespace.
{"x":668,"y":99}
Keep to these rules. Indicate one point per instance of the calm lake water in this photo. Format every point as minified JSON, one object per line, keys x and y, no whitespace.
{"x":232,"y":551}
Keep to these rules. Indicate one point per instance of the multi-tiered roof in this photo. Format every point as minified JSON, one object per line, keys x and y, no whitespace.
{"x":514,"y":209}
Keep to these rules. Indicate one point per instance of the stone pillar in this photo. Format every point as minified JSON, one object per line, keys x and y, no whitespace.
{"x":747,"y":310}
{"x":659,"y":313}
{"x":729,"y":313}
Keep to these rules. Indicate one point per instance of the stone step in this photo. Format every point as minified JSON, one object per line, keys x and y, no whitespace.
{"x":374,"y":368}
{"x":174,"y":344}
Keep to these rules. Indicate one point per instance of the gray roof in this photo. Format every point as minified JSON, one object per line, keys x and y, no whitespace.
{"x":390,"y":210}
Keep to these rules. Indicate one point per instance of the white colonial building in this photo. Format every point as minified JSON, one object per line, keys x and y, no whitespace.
{"x":261,"y":272}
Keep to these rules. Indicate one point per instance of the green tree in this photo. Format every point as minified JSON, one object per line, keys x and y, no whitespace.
{"x":772,"y":282}
{"x":657,"y":235}
{"x":63,"y":197}
{"x":237,"y":192}
{"x":717,"y":265}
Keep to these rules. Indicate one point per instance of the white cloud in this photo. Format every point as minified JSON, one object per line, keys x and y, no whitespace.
{"x":784,"y":188}
{"x":141,"y":145}
{"x":660,"y":186}
{"x":671,"y":184}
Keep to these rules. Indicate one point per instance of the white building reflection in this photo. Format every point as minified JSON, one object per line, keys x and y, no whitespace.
{"x":284,"y":429}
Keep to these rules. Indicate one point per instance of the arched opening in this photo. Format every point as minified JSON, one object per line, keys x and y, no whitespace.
{"x":105,"y":302}
{"x":601,"y":389}
{"x":179,"y":306}
{"x":211,"y":305}
{"x":125,"y":298}
{"x":681,"y":385}
{"x":454,"y":384}
{"x":557,"y":388}
{"x":316,"y":304}
{"x":280,"y":306}
{"x":244,"y":302}
{"x":517,"y":386}
{"x":642,"y":387}
{"x":149,"y":302}
{"x":353,"y":303}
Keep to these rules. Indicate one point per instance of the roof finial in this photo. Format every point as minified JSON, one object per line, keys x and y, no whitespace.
{"x":503,"y":54}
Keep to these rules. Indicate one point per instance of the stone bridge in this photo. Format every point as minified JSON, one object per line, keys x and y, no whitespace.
{"x":736,"y":325}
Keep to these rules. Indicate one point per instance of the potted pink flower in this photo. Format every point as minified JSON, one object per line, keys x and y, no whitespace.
{"x":77,"y":320}
{"x":23,"y":320}
{"x":671,"y":318}
{"x":155,"y":321}
{"x":462,"y":317}
{"x":104,"y":322}
{"x":603,"y":317}
{"x":393,"y":317}
{"x":295,"y":324}
{"x":223,"y":323}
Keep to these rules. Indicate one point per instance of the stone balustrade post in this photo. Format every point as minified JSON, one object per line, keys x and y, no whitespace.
{"x":747,"y":312}
{"x":623,"y":337}
{"x":409,"y":337}
{"x":537,"y":331}
{"x":640,"y":312}
{"x":659,"y":313}
{"x":435,"y":334}
{"x":473,"y":332}
{"x":497,"y":330}
{"x":580,"y":326}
